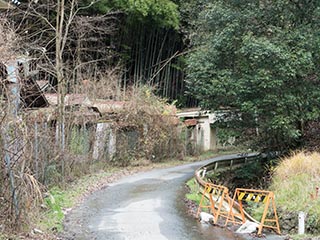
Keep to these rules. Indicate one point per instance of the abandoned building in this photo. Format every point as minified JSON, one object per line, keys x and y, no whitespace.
{"x":94,"y":127}
{"x":199,"y":128}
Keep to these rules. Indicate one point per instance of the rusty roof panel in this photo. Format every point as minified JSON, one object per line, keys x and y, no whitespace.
{"x":107,"y":106}
{"x":190,"y":122}
{"x":69,"y":99}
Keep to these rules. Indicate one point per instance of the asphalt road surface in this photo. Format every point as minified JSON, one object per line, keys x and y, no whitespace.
{"x":145,"y":206}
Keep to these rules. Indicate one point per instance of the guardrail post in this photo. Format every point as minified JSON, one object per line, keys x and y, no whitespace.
{"x":204,"y":172}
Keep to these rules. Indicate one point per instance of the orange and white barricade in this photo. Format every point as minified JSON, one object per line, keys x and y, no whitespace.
{"x":257,"y":196}
{"x":216,"y":194}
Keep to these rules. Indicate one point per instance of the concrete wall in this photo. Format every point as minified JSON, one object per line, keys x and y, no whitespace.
{"x":105,"y":140}
{"x":206,"y":135}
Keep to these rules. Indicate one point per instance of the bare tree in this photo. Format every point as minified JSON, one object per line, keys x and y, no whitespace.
{"x":61,"y":38}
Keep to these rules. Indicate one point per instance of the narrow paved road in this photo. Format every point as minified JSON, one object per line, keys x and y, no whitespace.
{"x":145,"y":206}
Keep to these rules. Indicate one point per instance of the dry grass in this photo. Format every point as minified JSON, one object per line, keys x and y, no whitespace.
{"x":300,"y":163}
{"x":295,"y":182}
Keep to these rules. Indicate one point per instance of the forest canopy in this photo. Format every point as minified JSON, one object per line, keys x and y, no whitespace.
{"x":260,"y":58}
{"x":161,"y":12}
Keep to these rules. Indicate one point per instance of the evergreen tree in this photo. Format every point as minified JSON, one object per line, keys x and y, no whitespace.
{"x":260,"y":58}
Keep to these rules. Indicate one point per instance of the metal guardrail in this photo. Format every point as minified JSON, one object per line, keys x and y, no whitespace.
{"x":229,"y":161}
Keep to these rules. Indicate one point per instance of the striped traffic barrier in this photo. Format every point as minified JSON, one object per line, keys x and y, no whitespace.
{"x":257,"y":196}
{"x":217,"y":194}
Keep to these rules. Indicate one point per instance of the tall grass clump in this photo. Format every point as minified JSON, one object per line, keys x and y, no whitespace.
{"x":295,"y":183}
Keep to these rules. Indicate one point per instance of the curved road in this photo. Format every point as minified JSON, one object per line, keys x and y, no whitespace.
{"x":145,"y":206}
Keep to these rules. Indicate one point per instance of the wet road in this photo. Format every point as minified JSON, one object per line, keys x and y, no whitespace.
{"x":145,"y":206}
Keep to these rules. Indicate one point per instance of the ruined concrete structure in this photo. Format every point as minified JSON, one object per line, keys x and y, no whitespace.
{"x":201,"y":132}
{"x":92,"y":123}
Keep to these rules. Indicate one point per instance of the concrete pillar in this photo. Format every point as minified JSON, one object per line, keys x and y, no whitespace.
{"x":14,"y":87}
{"x":200,"y":137}
{"x":205,"y":125}
{"x":112,"y":144}
{"x":100,"y":140}
{"x":104,"y":135}
{"x":213,"y":138}
{"x":206,"y":135}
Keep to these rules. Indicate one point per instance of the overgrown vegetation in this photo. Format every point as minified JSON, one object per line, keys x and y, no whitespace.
{"x":20,"y":191}
{"x":37,"y":164}
{"x":259,"y":59}
{"x":296,"y":186}
{"x":194,"y":194}
{"x":47,"y":148}
{"x":58,"y":200}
